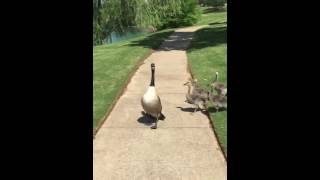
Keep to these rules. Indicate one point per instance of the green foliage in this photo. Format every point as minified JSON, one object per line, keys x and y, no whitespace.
{"x":211,"y":17}
{"x":218,"y":3}
{"x":214,"y":3}
{"x":189,"y":15}
{"x":120,"y":15}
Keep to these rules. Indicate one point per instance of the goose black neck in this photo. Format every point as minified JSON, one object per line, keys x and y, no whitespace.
{"x":216,"y":78}
{"x":152,"y":77}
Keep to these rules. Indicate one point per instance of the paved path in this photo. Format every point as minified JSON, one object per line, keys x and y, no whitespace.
{"x":183,"y":147}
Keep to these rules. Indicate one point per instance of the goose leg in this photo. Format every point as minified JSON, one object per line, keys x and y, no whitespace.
{"x":217,"y":109}
{"x":205,"y":106}
{"x":195,"y":109}
{"x":155,"y":124}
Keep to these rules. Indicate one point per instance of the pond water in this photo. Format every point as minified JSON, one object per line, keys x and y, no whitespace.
{"x":133,"y":32}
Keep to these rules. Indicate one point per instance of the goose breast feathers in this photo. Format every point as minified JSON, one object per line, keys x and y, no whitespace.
{"x":151,"y":102}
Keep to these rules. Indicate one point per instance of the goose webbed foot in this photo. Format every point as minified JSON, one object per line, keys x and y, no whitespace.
{"x":154,"y":126}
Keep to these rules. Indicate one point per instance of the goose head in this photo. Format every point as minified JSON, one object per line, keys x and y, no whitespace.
{"x":216,"y":77}
{"x":153,"y":66}
{"x":190,"y":82}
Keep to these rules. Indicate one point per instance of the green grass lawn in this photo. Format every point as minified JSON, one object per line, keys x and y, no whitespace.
{"x":208,"y":54}
{"x":210,"y":17}
{"x":112,"y":65}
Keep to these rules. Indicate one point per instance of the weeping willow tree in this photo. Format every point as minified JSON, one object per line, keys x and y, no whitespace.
{"x":120,"y":15}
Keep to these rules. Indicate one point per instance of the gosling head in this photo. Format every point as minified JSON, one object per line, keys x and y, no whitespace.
{"x":190,"y":82}
{"x":216,"y":77}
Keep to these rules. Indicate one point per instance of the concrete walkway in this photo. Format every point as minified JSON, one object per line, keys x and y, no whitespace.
{"x":183,"y":147}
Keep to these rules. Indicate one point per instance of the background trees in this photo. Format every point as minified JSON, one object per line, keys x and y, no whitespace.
{"x":188,"y":15}
{"x":214,"y":3}
{"x":120,"y":15}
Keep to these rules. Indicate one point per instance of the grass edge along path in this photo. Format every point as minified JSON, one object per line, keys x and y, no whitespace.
{"x":207,"y":53}
{"x":120,"y":92}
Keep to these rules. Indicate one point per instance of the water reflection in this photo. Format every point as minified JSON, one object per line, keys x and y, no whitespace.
{"x":133,"y":32}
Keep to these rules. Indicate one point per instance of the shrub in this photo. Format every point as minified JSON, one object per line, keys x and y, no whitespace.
{"x":189,"y":15}
{"x":218,"y":3}
{"x":215,"y":3}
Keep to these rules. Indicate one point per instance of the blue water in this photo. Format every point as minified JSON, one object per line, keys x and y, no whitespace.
{"x":130,"y":34}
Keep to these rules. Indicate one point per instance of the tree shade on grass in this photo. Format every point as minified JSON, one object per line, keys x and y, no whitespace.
{"x":210,"y":17}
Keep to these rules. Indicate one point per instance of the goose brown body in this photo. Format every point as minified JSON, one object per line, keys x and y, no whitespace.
{"x":196,"y":95}
{"x":218,"y":101}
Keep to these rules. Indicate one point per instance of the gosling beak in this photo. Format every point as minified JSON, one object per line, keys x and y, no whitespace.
{"x":185,"y":83}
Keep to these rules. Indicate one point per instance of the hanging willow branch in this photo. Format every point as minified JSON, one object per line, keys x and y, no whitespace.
{"x":120,"y":15}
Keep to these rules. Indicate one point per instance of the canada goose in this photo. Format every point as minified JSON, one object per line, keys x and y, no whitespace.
{"x":196,"y":95}
{"x":219,"y":87}
{"x":151,"y":101}
{"x":196,"y":89}
{"x":218,"y":101}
